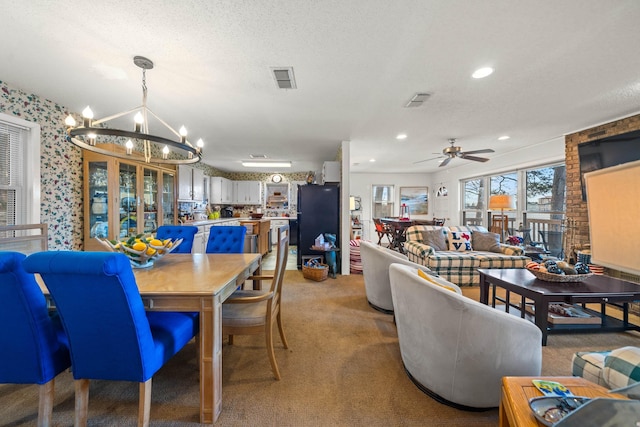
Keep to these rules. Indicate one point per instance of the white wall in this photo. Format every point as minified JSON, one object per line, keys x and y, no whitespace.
{"x":362,"y":183}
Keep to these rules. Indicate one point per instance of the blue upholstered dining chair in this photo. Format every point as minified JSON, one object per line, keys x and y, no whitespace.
{"x":111,"y":337}
{"x":184,"y":232}
{"x":33,"y":346}
{"x":226,"y":239}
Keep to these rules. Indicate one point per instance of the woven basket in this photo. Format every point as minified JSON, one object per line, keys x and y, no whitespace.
{"x":562,"y":278}
{"x":317,"y":274}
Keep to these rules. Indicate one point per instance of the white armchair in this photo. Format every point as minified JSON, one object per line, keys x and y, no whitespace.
{"x":375,"y":269}
{"x":456,"y":349}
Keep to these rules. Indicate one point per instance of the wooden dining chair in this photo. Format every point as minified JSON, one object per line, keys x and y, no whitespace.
{"x":111,"y":337}
{"x":250,"y":312}
{"x":383,"y":231}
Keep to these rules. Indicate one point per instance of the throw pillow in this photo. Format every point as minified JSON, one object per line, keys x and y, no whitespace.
{"x":435,"y":239}
{"x":459,"y":241}
{"x":432,"y":280}
{"x":489,"y":242}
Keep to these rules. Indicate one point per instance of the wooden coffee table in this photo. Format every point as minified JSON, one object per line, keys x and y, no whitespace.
{"x":516,"y":392}
{"x":602,"y":290}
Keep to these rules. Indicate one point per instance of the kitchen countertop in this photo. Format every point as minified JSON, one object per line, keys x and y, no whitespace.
{"x":221,"y":220}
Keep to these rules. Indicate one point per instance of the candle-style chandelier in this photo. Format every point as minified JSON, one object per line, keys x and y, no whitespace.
{"x":154,"y":148}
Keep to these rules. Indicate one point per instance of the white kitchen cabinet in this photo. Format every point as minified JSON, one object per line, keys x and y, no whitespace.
{"x":190,"y":183}
{"x":221,"y":192}
{"x":198,"y":184}
{"x":199,"y":242}
{"x":330,"y":172}
{"x":185,"y":180}
{"x":247,"y":192}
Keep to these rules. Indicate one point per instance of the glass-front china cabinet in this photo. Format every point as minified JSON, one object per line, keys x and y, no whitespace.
{"x":125,"y":198}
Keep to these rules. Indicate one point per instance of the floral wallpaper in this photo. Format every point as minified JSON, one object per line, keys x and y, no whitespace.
{"x":60,"y":166}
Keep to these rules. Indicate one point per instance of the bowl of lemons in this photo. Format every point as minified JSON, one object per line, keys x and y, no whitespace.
{"x":142,"y":250}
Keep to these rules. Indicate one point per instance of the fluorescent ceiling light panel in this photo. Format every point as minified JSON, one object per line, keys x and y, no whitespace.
{"x":504,"y":138}
{"x":266,"y":164}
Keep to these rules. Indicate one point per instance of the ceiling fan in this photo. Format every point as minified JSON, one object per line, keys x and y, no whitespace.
{"x":453,"y":152}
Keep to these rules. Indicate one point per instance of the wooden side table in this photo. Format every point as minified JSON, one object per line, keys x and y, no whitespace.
{"x":516,"y":392}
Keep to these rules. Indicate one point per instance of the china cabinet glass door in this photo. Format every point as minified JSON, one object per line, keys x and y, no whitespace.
{"x":150,"y":196}
{"x":168,"y":198}
{"x":128,"y":197}
{"x":99,"y":199}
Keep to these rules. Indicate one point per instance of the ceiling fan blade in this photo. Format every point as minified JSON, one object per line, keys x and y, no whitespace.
{"x":426,"y":160}
{"x":486,"y":150}
{"x":445,"y":162}
{"x":474,"y":158}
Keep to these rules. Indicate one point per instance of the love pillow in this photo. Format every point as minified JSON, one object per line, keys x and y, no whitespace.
{"x":459,"y":241}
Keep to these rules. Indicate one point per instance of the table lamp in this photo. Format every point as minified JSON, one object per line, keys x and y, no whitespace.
{"x":502,"y":202}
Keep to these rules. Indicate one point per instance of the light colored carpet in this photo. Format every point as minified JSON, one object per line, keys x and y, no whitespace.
{"x":343,"y":368}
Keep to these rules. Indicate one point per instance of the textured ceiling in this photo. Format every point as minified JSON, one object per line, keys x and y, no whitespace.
{"x":560,"y":67}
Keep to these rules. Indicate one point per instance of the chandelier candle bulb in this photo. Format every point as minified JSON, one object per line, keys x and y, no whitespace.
{"x":129,"y":146}
{"x":199,"y":145}
{"x":87,"y":116}
{"x":70,"y":121}
{"x":139,"y":120}
{"x":183,"y":134}
{"x":165,"y":152}
{"x":92,"y":138}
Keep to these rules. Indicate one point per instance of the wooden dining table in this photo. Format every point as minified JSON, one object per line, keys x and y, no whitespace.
{"x":398,"y":229}
{"x":198,"y":282}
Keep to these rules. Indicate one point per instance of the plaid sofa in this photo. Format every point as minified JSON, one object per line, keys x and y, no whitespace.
{"x":611,"y":368}
{"x":460,"y":268}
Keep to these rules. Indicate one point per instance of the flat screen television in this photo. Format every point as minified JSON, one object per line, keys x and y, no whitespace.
{"x":607,"y":152}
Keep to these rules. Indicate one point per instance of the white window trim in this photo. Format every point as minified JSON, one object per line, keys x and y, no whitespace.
{"x":31,"y":167}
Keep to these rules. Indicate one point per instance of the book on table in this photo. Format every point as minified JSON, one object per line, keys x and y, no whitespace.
{"x":568,"y":314}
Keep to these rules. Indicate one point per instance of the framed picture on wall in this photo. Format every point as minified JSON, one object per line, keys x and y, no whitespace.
{"x":416,"y":198}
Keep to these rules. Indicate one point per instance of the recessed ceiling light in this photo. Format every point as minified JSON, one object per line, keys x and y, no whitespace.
{"x":482,"y":72}
{"x":372,"y":160}
{"x":504,"y":138}
{"x":401,"y":136}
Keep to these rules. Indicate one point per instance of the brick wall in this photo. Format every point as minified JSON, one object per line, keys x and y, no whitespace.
{"x":577,"y":215}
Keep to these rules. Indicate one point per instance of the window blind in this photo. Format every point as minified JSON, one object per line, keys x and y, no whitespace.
{"x":13,"y":139}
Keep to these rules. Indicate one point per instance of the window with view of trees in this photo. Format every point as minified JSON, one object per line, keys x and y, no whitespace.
{"x":540,"y":199}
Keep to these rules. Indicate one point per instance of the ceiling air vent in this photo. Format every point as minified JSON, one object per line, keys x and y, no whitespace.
{"x":284,"y":77}
{"x":417,"y":100}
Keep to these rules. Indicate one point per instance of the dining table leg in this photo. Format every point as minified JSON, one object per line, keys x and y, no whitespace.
{"x":210,"y":359}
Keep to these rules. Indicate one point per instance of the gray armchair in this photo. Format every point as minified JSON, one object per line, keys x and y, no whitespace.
{"x":456,"y":349}
{"x":375,"y":269}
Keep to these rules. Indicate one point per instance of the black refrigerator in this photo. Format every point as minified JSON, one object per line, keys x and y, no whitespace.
{"x":318,"y":213}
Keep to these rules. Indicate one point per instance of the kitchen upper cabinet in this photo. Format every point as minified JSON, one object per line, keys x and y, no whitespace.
{"x":247,"y":192}
{"x":221,"y":192}
{"x":199,"y":192}
{"x":330,"y":172}
{"x":190,"y":183}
